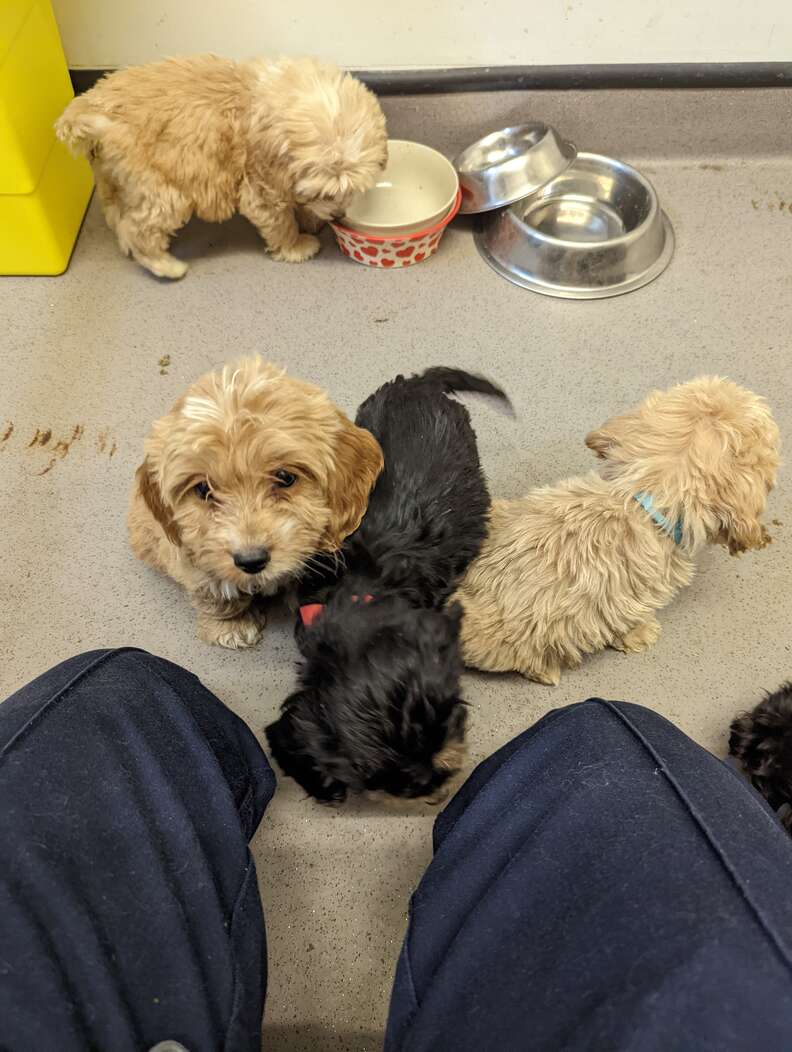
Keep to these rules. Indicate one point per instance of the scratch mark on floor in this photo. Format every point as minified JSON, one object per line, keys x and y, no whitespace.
{"x":103,"y":442}
{"x":63,"y":445}
{"x":49,"y":467}
{"x":41,"y":438}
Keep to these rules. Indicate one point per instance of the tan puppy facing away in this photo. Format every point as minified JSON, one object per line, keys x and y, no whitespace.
{"x":573,"y":568}
{"x":286,"y":143}
{"x":249,"y":475}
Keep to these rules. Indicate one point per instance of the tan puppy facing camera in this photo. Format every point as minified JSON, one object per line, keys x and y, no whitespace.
{"x":574,"y":568}
{"x":249,"y":475}
{"x":285,"y":143}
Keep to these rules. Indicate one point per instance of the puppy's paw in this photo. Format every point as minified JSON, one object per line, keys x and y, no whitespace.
{"x":303,"y":248}
{"x":550,"y":677}
{"x":234,"y":633}
{"x":167,"y":267}
{"x":639,"y":638}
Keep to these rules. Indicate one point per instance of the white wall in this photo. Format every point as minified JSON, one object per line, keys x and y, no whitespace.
{"x":403,"y":34}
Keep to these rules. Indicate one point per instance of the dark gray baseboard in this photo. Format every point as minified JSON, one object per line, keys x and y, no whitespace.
{"x":554,"y":78}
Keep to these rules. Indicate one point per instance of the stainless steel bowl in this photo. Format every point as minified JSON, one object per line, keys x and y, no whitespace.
{"x":509,"y":164}
{"x":597,"y":230}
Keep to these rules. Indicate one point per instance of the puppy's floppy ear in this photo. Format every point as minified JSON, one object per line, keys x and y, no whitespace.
{"x":613,"y":433}
{"x":738,"y":505}
{"x":149,"y":490}
{"x":304,"y":748}
{"x":599,"y":442}
{"x":730,"y":476}
{"x":358,"y":462}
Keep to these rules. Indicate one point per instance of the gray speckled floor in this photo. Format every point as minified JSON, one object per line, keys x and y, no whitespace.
{"x":82,"y":352}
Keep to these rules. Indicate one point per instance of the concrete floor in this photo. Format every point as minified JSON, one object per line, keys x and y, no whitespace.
{"x":82,"y":356}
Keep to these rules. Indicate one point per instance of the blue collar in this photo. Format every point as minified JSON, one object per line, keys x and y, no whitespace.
{"x":673,"y":529}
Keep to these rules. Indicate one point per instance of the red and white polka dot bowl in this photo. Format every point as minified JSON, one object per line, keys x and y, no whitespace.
{"x":390,"y":253}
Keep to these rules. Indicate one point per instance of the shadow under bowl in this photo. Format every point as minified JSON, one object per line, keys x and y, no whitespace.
{"x":595,"y":231}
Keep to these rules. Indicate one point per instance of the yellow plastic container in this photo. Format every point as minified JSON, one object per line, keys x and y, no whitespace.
{"x":44,"y":191}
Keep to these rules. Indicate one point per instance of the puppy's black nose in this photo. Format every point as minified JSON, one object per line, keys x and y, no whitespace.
{"x":253,"y":560}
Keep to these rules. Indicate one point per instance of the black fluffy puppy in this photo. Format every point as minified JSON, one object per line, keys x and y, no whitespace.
{"x":379,"y":705}
{"x":762,"y":742}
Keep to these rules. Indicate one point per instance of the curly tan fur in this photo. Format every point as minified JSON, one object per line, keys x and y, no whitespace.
{"x":233,"y":430}
{"x":574,"y":568}
{"x":285,"y":143}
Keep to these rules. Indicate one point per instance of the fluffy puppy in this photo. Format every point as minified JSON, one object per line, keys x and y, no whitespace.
{"x":761,"y":742}
{"x":583,"y":565}
{"x":379,"y":706}
{"x":285,"y":143}
{"x":249,"y":475}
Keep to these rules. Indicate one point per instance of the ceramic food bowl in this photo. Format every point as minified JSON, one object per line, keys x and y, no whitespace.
{"x":400,"y":250}
{"x":510,"y":164}
{"x":416,"y":190}
{"x":596,"y":230}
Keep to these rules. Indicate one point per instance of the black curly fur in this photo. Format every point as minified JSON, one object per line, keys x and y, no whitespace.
{"x":762,"y":742}
{"x":379,"y":693}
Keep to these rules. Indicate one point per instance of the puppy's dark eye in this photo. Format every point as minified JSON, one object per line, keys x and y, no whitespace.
{"x":202,"y":490}
{"x":284,"y":478}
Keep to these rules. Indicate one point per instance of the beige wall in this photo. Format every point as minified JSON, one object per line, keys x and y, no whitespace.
{"x":376,"y":34}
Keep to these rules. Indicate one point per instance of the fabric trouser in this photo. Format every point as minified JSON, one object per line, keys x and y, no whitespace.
{"x":129,"y":911}
{"x":601,"y":882}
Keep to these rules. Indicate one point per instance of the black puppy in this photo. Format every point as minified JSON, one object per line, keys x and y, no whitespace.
{"x":379,"y":705}
{"x":762,"y":742}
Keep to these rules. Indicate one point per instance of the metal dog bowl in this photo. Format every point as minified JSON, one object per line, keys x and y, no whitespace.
{"x":510,"y":164}
{"x":596,"y":230}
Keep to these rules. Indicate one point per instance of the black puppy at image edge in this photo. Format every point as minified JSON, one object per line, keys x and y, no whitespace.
{"x":761,"y":740}
{"x":379,"y":705}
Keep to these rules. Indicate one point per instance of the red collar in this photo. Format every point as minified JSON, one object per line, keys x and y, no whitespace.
{"x":310,"y":612}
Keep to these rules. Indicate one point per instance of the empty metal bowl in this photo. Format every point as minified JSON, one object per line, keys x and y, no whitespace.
{"x":597,"y":230}
{"x":509,"y":164}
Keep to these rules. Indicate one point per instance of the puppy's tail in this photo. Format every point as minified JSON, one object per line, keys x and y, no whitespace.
{"x":452,"y":380}
{"x":81,"y":126}
{"x":761,"y":741}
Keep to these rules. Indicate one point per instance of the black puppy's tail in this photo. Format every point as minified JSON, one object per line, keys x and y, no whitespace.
{"x":452,"y":380}
{"x":761,"y":741}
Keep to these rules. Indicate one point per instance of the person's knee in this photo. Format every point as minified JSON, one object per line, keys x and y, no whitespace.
{"x":594,"y":727}
{"x":122,"y":672}
{"x":601,"y":711}
{"x":85,"y":663}
{"x":134,"y":661}
{"x":113,"y":678}
{"x":603,"y":728}
{"x":128,"y":665}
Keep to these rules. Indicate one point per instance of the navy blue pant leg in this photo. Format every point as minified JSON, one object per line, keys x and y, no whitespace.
{"x":600,"y":883}
{"x":129,"y":911}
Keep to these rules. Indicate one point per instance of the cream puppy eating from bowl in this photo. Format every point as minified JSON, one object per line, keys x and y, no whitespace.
{"x":574,"y":568}
{"x":285,"y":143}
{"x":248,"y":475}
